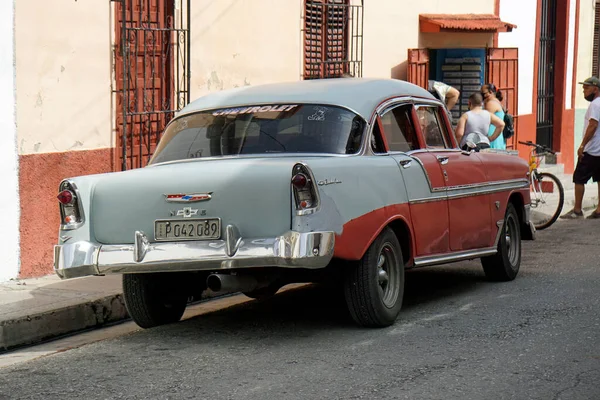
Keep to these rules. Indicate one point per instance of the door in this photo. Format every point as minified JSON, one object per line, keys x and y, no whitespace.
{"x":503,"y":71}
{"x":418,"y":67}
{"x":546,"y":61}
{"x":422,"y":178}
{"x":469,"y":214}
{"x":151,"y":73}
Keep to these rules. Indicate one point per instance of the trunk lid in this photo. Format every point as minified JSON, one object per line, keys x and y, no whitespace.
{"x":253,"y":194}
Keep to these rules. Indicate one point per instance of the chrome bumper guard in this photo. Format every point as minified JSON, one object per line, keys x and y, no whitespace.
{"x":291,"y":250}
{"x":530,"y":233}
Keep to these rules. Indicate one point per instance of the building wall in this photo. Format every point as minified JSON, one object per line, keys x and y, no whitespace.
{"x":244,"y":42}
{"x":583,"y":69}
{"x":9,"y":203}
{"x":389,"y":31}
{"x":64,"y":111}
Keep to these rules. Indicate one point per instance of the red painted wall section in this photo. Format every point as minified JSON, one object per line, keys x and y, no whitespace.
{"x":525,"y":130}
{"x":39,"y":177}
{"x":567,"y":140}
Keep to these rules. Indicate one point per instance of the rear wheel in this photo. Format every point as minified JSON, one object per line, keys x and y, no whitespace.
{"x":154,"y":299}
{"x":505,"y":264}
{"x":374,"y":287}
{"x":547,"y":199}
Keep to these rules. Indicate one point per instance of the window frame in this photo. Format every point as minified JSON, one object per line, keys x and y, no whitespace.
{"x":448,"y":143}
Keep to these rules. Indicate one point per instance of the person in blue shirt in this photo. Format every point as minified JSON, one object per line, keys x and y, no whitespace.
{"x":492,"y":98}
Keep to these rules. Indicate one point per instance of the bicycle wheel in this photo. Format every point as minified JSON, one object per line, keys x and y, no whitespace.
{"x":547,"y":199}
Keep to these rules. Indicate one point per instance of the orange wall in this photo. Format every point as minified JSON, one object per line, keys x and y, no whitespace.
{"x":39,"y":177}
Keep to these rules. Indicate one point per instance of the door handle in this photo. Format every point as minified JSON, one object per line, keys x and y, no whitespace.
{"x":442,"y":159}
{"x":405,"y":163}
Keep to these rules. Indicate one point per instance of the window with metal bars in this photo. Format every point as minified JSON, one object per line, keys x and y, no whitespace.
{"x":596,"y":48}
{"x":333,"y":33}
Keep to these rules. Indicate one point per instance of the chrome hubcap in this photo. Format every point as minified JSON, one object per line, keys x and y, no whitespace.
{"x":512,"y":245}
{"x":388,"y":275}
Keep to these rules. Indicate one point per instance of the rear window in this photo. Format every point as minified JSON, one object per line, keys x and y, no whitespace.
{"x":261,"y":129}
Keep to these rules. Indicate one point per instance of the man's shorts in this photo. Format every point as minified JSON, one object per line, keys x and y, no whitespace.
{"x":588,"y":167}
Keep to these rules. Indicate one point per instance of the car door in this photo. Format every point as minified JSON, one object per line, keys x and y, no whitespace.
{"x":422,"y":177}
{"x":469,"y":212}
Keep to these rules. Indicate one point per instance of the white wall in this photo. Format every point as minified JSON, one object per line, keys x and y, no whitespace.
{"x":63,"y":75}
{"x":391,"y":27}
{"x":585,"y":43}
{"x":9,"y":203}
{"x":244,"y":42}
{"x":521,"y":13}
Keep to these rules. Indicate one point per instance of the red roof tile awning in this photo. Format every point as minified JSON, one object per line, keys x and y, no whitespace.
{"x":463,"y":22}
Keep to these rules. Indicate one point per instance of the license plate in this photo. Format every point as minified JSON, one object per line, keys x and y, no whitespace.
{"x":191,"y":229}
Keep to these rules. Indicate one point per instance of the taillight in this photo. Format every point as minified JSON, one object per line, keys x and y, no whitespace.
{"x":305,"y":192}
{"x":70,"y":213}
{"x":299,"y":181}
{"x":66,"y":197}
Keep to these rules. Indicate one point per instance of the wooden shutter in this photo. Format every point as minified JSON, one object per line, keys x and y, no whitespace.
{"x":313,"y":39}
{"x":325,"y":38}
{"x":596,"y":48}
{"x":503,"y":71}
{"x":336,"y":44}
{"x":418,"y":67}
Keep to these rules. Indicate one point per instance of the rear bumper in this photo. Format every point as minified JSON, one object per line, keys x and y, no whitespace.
{"x":311,"y":250}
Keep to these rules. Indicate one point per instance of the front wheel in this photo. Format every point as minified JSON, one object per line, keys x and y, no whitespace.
{"x":505,"y":264}
{"x":374,"y":287}
{"x":547,"y":199}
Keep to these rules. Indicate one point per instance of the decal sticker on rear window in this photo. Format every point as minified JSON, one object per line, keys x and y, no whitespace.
{"x":254,"y":109}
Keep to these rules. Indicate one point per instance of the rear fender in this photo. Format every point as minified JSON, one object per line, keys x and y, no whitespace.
{"x":359,"y":197}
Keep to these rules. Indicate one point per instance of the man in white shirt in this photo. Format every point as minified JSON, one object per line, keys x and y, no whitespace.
{"x":588,"y":162}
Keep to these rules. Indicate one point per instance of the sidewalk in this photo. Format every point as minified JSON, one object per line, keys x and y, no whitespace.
{"x":33,"y":310}
{"x":590,"y":198}
{"x":38,"y":309}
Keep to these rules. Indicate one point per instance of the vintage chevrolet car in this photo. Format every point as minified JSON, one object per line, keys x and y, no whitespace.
{"x":351,"y":180}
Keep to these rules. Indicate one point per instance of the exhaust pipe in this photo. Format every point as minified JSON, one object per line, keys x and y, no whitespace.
{"x":231,"y":283}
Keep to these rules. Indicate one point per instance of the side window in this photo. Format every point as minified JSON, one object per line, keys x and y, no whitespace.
{"x":430,"y":127}
{"x":399,"y":130}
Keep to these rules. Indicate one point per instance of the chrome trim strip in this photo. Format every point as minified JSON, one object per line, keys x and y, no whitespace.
{"x":486,"y":189}
{"x":293,"y":249}
{"x":524,"y":183}
{"x":453,"y":257}
{"x":70,"y":227}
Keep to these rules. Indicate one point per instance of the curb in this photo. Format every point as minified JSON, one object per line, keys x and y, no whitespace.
{"x":36,"y":328}
{"x":32,"y":329}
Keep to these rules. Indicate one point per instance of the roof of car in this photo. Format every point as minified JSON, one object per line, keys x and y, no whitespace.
{"x":362,"y":95}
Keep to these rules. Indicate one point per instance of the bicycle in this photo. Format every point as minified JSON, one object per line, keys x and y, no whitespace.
{"x":546,"y":204}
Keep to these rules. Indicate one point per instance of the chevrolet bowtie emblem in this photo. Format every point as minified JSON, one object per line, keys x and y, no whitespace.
{"x":187,"y":198}
{"x":186,"y":212}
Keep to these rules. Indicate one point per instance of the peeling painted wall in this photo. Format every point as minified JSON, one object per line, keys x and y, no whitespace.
{"x":63,"y":75}
{"x":244,"y":42}
{"x":390,"y":30}
{"x":9,"y":204}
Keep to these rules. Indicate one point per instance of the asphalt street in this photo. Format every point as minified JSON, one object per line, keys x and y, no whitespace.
{"x":458,"y":337}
